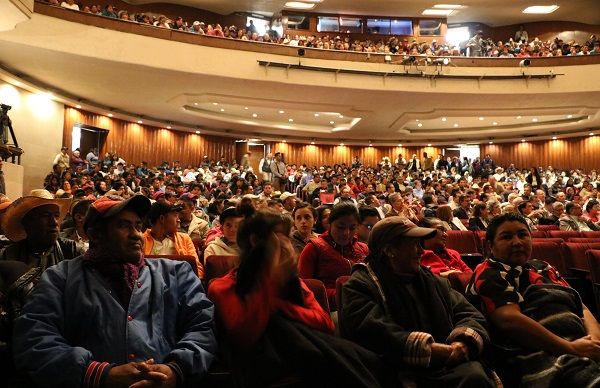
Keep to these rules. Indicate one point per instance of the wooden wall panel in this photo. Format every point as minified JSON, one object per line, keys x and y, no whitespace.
{"x":319,"y":155}
{"x":582,"y":152}
{"x":135,"y":142}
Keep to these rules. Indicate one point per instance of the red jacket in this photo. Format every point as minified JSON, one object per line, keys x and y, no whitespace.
{"x":444,"y":261}
{"x":245,"y":320}
{"x":320,"y":260}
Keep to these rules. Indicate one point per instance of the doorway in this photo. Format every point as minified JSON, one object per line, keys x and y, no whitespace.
{"x":86,"y":137}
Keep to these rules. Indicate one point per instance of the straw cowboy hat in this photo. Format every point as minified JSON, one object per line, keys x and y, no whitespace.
{"x":13,"y":217}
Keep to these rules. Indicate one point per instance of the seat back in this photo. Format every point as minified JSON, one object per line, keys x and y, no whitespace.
{"x":550,"y":239}
{"x":564,"y":234}
{"x":459,"y":281}
{"x":462,"y":241}
{"x":538,"y":234}
{"x":591,"y":234}
{"x":217,"y":266}
{"x":326,"y":198}
{"x":318,"y":289}
{"x":584,"y":240}
{"x":191,"y":260}
{"x":575,"y":257}
{"x":546,"y":228}
{"x":549,"y":251}
{"x":593,"y":259}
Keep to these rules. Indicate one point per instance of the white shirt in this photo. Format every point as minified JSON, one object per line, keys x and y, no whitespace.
{"x":73,"y":6}
{"x":164,"y":247}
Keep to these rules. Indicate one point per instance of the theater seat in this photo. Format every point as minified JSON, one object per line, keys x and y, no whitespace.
{"x":591,"y":234}
{"x":538,"y":234}
{"x":218,"y":266}
{"x":462,"y":241}
{"x":564,"y":234}
{"x":549,"y":251}
{"x":459,"y":281}
{"x":318,"y":288}
{"x":191,"y":260}
{"x":584,"y":240}
{"x":339,"y":287}
{"x":575,"y":258}
{"x":546,"y":228}
{"x":550,"y":239}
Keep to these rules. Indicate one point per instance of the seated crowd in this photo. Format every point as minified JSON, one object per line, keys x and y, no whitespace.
{"x":519,"y":47}
{"x":121,"y":274}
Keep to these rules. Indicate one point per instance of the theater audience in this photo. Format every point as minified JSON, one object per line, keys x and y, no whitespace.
{"x":479,"y":221}
{"x":332,"y":254}
{"x":77,"y":232}
{"x":369,"y":216}
{"x":423,"y":328}
{"x":225,"y":246}
{"x":322,"y":223}
{"x":573,"y":219}
{"x":266,"y":310}
{"x":444,"y":213}
{"x":190,"y":224}
{"x":113,"y":318}
{"x":531,"y":306}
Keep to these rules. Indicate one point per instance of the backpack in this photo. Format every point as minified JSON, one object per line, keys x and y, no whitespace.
{"x":266,"y":167}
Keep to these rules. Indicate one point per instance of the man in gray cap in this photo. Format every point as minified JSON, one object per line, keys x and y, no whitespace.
{"x":415,"y":320}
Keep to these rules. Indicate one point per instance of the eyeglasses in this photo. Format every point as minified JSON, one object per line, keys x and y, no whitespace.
{"x":368,"y":226}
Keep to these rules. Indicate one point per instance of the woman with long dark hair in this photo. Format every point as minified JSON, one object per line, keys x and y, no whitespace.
{"x":273,"y":325}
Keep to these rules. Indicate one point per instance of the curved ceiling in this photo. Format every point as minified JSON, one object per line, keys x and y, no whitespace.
{"x":225,"y":92}
{"x":490,"y":12}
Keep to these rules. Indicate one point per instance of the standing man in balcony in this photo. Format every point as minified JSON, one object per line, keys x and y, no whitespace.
{"x":278,"y":172}
{"x":475,"y":44}
{"x":265,"y":167}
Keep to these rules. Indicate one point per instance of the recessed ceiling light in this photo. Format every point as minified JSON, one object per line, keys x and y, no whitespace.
{"x":78,"y":106}
{"x":298,"y":5}
{"x":591,"y":133}
{"x":214,"y":103}
{"x":370,"y":145}
{"x":281,"y":111}
{"x":168,"y":127}
{"x":481,"y":119}
{"x":400,"y":145}
{"x":139,"y":121}
{"x":437,"y":12}
{"x":420,"y":125}
{"x":291,"y":120}
{"x":197,"y":132}
{"x":342,"y":144}
{"x":341,"y":116}
{"x":222,"y":110}
{"x":444,"y":119}
{"x":541,"y":9}
{"x":448,"y":6}
{"x":491,"y":142}
{"x":312,"y":142}
{"x":518,"y":117}
{"x":522,"y":140}
{"x":316,"y":115}
{"x":284,"y":141}
{"x":417,"y":120}
{"x":110,"y":115}
{"x":494,"y":123}
{"x":195,"y":103}
{"x":553,"y":137}
{"x":569,"y":116}
{"x":534,"y":120}
{"x":455,"y":125}
{"x":332,"y":122}
{"x":429,"y":145}
{"x":254,"y":115}
{"x":245,"y":108}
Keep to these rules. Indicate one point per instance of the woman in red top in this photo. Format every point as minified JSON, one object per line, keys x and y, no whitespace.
{"x":274,"y":328}
{"x":332,"y":254}
{"x":439,"y":259}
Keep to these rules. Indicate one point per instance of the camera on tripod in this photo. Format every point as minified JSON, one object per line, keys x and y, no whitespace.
{"x":5,"y":107}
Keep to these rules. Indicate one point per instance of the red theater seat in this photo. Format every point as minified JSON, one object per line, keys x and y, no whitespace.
{"x":575,"y":258}
{"x":564,"y":234}
{"x":584,"y":240}
{"x":218,"y":266}
{"x":538,"y":234}
{"x":462,"y":241}
{"x":546,"y":228}
{"x":318,"y":288}
{"x":591,"y":234}
{"x":549,"y":251}
{"x":550,"y":239}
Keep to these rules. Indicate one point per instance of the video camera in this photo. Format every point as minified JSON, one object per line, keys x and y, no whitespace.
{"x":5,"y":108}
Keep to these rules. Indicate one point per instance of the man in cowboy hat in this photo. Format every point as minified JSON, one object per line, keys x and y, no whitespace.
{"x":113,"y":318}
